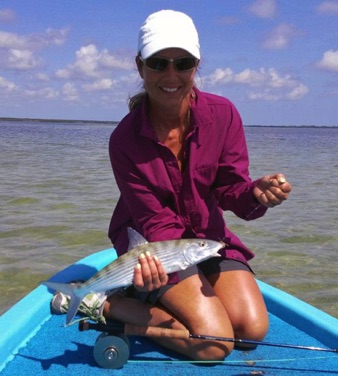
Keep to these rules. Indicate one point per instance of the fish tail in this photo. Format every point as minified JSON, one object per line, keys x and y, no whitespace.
{"x":75,"y":294}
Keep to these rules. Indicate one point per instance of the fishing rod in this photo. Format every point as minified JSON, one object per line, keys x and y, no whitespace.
{"x":150,"y":331}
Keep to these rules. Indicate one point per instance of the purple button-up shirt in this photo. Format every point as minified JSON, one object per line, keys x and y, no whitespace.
{"x":162,"y":202}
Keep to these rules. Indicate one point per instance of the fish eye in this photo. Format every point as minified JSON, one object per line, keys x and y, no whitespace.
{"x":202,"y":243}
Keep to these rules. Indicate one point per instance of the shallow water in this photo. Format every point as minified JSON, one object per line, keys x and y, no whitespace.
{"x":57,"y":194}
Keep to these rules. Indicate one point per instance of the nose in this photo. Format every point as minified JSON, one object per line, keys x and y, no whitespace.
{"x":170,"y":69}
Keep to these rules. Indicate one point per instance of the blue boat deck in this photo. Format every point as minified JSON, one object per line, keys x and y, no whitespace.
{"x":33,"y":342}
{"x":59,"y":350}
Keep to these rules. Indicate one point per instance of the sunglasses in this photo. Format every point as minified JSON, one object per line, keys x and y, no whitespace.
{"x":160,"y":64}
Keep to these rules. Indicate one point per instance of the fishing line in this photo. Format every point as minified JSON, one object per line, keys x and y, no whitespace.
{"x":260,"y":343}
{"x":248,"y":363}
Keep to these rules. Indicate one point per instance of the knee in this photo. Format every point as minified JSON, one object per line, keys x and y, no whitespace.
{"x":255,"y":331}
{"x":258,"y":328}
{"x":209,"y":349}
{"x":212,"y":350}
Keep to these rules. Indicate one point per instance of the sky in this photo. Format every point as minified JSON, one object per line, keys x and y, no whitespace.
{"x":276,"y":60}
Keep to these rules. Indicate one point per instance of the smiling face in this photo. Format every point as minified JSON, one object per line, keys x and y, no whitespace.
{"x":169,"y":89}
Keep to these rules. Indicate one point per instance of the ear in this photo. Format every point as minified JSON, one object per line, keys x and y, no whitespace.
{"x":139,"y":64}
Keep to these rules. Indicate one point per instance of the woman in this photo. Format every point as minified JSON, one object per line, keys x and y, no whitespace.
{"x":179,"y":159}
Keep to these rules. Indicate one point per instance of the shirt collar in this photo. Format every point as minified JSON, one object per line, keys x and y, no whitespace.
{"x":200,"y":115}
{"x":200,"y":111}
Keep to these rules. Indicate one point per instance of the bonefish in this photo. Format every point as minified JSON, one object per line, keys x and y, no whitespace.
{"x":174,"y":255}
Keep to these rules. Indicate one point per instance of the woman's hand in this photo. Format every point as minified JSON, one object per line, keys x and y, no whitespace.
{"x":272,"y":190}
{"x":149,"y":273}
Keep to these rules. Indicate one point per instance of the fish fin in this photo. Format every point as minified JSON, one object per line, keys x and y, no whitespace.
{"x":73,"y":292}
{"x":135,"y":239}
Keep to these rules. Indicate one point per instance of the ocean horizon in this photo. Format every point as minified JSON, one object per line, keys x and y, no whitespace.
{"x":78,"y":121}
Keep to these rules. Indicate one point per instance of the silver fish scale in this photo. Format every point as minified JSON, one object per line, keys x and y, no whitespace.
{"x":120,"y":272}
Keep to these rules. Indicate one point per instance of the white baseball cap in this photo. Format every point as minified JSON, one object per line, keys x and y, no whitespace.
{"x":168,"y":29}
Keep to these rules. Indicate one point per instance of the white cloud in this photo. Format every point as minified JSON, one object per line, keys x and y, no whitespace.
{"x":252,"y":78}
{"x":7,"y":15}
{"x":21,"y":59}
{"x":50,"y":37}
{"x":269,"y":84}
{"x":100,"y":85}
{"x":18,"y":51}
{"x":11,"y":40}
{"x":264,"y":8}
{"x":45,"y":93}
{"x":329,"y":61}
{"x":110,"y":61}
{"x":63,"y":73}
{"x":280,"y":37}
{"x":328,"y":7}
{"x":298,"y":92}
{"x":87,"y":60}
{"x":56,"y":37}
{"x":41,"y":76}
{"x":220,"y":76}
{"x":268,"y":94}
{"x":6,"y":85}
{"x":92,"y":63}
{"x":70,"y":93}
{"x":267,"y":77}
{"x":265,"y":95}
{"x":33,"y":41}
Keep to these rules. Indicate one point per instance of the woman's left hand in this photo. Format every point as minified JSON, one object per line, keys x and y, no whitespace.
{"x":272,"y":190}
{"x":149,"y":273}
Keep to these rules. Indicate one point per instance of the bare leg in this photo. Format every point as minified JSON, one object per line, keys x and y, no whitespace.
{"x":193,"y":305}
{"x":227,"y":304}
{"x":243,"y":302}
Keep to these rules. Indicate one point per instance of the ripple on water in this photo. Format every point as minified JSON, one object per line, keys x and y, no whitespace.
{"x":311,"y":238}
{"x":23,"y":201}
{"x":15,"y":283}
{"x":84,"y":237}
{"x":45,"y":232}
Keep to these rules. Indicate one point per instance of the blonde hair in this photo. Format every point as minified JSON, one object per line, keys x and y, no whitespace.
{"x":136,"y":100}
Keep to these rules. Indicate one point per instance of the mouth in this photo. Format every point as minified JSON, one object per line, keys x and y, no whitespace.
{"x":170,"y":89}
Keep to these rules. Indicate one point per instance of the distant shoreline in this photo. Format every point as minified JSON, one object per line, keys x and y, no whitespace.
{"x":109,"y":122}
{"x":58,"y":120}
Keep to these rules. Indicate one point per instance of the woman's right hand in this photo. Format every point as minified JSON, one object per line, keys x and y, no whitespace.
{"x":272,"y":190}
{"x":149,"y":274}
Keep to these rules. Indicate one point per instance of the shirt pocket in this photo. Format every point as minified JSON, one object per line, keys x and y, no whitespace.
{"x":203,"y":179}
